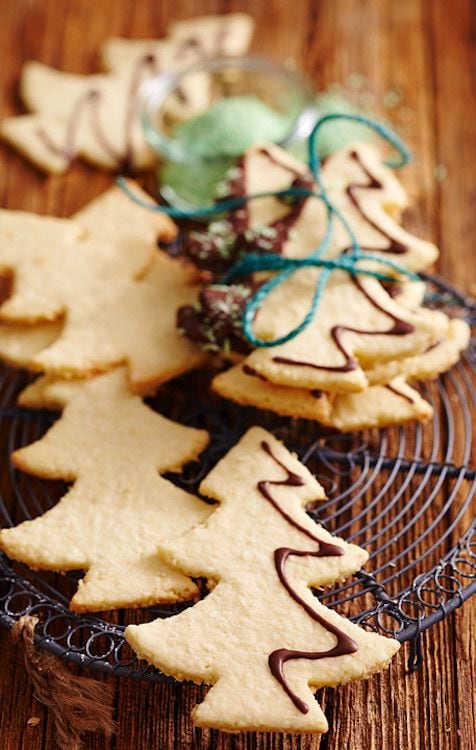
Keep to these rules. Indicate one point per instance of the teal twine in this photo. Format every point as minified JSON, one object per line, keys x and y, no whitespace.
{"x":254,"y":262}
{"x":217,"y":208}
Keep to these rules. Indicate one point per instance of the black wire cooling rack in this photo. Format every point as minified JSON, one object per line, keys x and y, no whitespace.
{"x":403,"y":493}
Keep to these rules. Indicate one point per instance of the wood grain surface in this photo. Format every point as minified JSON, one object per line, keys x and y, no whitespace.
{"x":414,"y":54}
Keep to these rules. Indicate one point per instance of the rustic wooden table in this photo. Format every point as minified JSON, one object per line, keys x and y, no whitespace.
{"x":413,"y":59}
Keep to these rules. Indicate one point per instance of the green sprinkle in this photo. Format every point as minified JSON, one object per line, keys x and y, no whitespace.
{"x":356,"y":80}
{"x":392,"y":98}
{"x":220,"y":227}
{"x":269,"y":232}
{"x":230,"y":126}
{"x":222,"y":189}
{"x":440,"y":172}
{"x":222,"y":306}
{"x":233,"y":173}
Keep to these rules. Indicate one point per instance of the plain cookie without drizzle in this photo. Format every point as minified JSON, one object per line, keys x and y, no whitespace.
{"x":102,"y":278}
{"x":113,"y":448}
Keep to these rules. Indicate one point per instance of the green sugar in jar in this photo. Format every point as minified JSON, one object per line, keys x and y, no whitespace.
{"x":230,"y":126}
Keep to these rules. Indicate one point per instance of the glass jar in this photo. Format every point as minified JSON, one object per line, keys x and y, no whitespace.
{"x":198,"y":135}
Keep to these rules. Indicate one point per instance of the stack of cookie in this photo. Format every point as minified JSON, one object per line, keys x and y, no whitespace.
{"x":90,"y":295}
{"x":96,"y":117}
{"x":350,"y":367}
{"x":92,"y":292}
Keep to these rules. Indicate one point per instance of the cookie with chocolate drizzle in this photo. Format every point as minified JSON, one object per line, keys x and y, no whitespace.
{"x":260,"y":637}
{"x":357,"y":325}
{"x":377,"y":406}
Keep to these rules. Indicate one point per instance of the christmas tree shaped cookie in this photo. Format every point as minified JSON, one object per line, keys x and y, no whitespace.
{"x":96,"y":117}
{"x":113,"y":448}
{"x":187,"y":41}
{"x":54,"y":259}
{"x":260,"y":637}
{"x":133,"y":322}
{"x":372,"y":200}
{"x":102,"y":275}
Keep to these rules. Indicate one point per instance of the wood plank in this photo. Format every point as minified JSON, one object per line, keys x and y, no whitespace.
{"x":455,"y":88}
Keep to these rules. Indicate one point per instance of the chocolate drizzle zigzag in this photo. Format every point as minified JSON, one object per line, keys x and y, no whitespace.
{"x":88,"y":105}
{"x":397,"y":392}
{"x":399,"y":328}
{"x":344,"y":645}
{"x":395,"y":247}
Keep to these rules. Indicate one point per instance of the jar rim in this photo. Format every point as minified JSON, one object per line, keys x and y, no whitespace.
{"x":154,"y":93}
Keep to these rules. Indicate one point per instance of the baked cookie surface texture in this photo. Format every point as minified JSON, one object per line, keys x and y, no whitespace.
{"x":97,"y":117}
{"x":113,"y":448}
{"x":260,"y":637}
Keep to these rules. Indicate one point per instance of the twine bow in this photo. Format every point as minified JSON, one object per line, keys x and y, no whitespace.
{"x":349,"y":261}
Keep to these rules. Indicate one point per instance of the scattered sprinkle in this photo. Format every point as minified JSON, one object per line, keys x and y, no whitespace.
{"x":220,"y":227}
{"x":356,"y":80}
{"x":440,"y":172}
{"x":392,"y":98}
{"x":340,"y":132}
{"x":230,"y":126}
